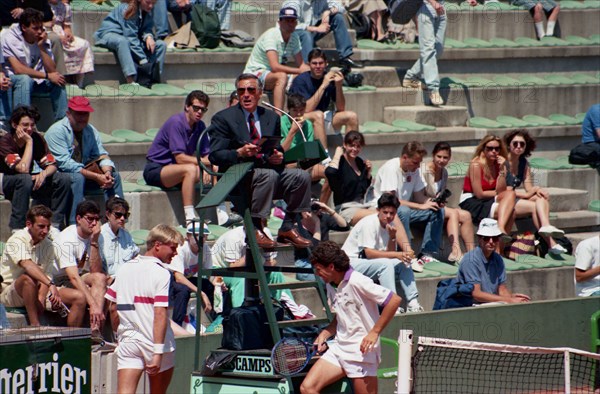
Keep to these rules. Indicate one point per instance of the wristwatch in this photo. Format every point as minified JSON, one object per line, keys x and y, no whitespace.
{"x":51,"y":283}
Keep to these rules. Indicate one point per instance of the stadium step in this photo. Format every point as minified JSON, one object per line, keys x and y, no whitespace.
{"x":576,"y":238}
{"x":434,"y":116}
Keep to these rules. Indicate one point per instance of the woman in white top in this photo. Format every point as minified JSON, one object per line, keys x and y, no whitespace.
{"x":435,"y":177}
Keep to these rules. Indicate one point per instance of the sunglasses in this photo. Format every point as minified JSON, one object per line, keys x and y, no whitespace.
{"x":250,"y":90}
{"x":197,"y":108}
{"x":492,"y":148}
{"x":119,"y":215}
{"x":495,"y":238}
{"x":518,"y":144}
{"x":91,"y":219}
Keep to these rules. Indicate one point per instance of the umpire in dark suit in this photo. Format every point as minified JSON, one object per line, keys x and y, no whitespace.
{"x":234,"y":134}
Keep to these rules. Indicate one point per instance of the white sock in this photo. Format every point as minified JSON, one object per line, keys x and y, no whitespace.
{"x":190,"y":213}
{"x":539,"y":29}
{"x":550,"y":28}
{"x":414,"y":303}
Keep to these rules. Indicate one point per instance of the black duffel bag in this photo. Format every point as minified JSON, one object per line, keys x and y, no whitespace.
{"x":247,"y":327}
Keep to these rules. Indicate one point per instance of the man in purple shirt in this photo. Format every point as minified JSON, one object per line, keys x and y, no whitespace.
{"x":171,"y":160}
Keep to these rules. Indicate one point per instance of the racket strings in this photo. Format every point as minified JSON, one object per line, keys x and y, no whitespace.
{"x":290,"y":358}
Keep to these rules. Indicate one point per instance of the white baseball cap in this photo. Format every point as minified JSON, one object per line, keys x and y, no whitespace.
{"x":489,"y":228}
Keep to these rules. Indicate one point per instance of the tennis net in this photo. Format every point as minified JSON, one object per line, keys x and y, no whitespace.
{"x":454,"y":366}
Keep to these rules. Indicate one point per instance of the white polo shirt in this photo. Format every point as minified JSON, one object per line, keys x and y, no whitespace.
{"x":390,"y":177}
{"x":587,"y":255}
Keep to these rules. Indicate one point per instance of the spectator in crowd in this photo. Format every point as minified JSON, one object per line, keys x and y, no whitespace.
{"x":533,"y":200}
{"x":78,"y":262}
{"x":484,"y":268}
{"x":233,"y":99}
{"x":234,"y":135}
{"x":320,"y":89}
{"x":116,"y":243}
{"x":160,"y":17}
{"x":292,"y":136}
{"x":588,"y":152}
{"x":375,"y":11}
{"x":229,"y":251}
{"x":21,"y":151}
{"x":127,"y":32}
{"x":78,"y":57}
{"x":458,"y":221}
{"x":402,"y":176}
{"x":26,"y":268}
{"x":184,"y":271}
{"x":271,"y":53}
{"x":78,"y":150}
{"x":146,"y":340}
{"x":171,"y":159}
{"x":537,"y":9}
{"x":29,"y":62}
{"x":373,"y":251}
{"x":587,"y":267}
{"x":356,"y":351}
{"x":184,"y":7}
{"x":316,"y":18}
{"x":480,"y":196}
{"x":5,"y":92}
{"x":431,"y":20}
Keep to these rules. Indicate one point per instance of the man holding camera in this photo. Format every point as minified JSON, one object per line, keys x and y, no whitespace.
{"x":403,"y":176}
{"x":320,"y":87}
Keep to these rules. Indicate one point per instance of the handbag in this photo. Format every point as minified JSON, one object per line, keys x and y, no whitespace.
{"x":523,"y":244}
{"x":402,"y":11}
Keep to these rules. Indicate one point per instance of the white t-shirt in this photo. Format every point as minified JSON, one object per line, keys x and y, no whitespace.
{"x":141,"y":286}
{"x":70,"y":247}
{"x":231,"y":246}
{"x":186,"y":262}
{"x":587,"y":255}
{"x":356,"y":301}
{"x":390,"y":177}
{"x":367,"y":233}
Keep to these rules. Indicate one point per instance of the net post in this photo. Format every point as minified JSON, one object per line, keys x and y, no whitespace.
{"x":405,"y":343}
{"x":567,"y":364}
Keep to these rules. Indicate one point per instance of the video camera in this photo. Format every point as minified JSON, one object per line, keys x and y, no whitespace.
{"x":442,"y":198}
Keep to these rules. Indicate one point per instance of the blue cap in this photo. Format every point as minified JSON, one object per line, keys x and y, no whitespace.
{"x":288,"y":13}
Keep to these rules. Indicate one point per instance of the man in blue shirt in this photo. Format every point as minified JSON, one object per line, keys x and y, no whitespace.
{"x":588,"y":152}
{"x":484,"y":268}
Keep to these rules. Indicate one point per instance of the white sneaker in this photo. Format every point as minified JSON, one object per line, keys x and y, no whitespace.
{"x":425,"y":259}
{"x":436,"y":98}
{"x":413,"y":309}
{"x":550,"y":231}
{"x":416,"y":265}
{"x":400,"y":311}
{"x":557,"y":249}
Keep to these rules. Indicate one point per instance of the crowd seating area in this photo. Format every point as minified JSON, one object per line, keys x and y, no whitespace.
{"x":496,"y":77}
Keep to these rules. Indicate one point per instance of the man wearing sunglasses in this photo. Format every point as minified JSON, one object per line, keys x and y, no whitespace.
{"x":484,"y":268}
{"x":235,"y":134}
{"x":171,"y":159}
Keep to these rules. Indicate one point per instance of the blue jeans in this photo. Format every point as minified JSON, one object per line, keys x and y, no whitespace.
{"x":23,"y":86}
{"x":5,"y":107}
{"x":390,"y":273}
{"x":432,"y":237}
{"x":161,"y":19}
{"x":343,"y":43}
{"x":119,"y":45}
{"x":222,"y":7}
{"x":432,"y":30}
{"x":79,"y":185}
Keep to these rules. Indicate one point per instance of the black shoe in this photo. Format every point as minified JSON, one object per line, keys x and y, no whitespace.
{"x":233,"y":219}
{"x":348,"y":62}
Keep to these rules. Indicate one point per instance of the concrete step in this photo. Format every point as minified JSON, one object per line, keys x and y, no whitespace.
{"x":435,"y":116}
{"x":577,"y":221}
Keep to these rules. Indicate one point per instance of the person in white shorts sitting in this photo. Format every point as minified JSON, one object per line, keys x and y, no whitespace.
{"x":356,"y":351}
{"x":141,"y":292}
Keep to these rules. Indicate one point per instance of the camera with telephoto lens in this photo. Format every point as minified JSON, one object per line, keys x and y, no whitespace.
{"x":442,"y":198}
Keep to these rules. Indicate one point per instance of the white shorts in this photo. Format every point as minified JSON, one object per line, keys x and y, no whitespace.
{"x":135,"y":355}
{"x":353,"y":369}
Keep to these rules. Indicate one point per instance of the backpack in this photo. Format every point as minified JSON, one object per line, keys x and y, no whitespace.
{"x":206,"y":26}
{"x":402,"y":11}
{"x":361,"y":24}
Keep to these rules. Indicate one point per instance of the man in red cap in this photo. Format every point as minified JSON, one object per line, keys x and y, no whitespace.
{"x":77,"y":148}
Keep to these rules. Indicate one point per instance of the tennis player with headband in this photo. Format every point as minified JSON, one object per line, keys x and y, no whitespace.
{"x":356,"y":351}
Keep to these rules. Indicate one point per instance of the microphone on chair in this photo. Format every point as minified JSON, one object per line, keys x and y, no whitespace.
{"x":289,"y":116}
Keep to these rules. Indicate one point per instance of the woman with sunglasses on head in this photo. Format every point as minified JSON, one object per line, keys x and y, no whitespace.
{"x":435,"y":178}
{"x":484,"y":191}
{"x":531,"y":200}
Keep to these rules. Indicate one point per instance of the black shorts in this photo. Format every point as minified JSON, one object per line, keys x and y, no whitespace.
{"x":152,"y":174}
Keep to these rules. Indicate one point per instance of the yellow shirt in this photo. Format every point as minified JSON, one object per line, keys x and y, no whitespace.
{"x":20,"y":247}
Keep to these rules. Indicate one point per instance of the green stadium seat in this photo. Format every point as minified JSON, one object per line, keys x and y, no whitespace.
{"x":211,"y":88}
{"x":169,"y":90}
{"x":245,"y":7}
{"x":142,"y":181}
{"x":564,"y":259}
{"x":109,"y":139}
{"x":131,"y":90}
{"x":99,"y":49}
{"x":559,"y":80}
{"x":564,"y":119}
{"x":595,"y":38}
{"x":511,"y":121}
{"x":512,"y":265}
{"x":534,"y":80}
{"x":140,"y":234}
{"x":412,"y":126}
{"x":540,"y":120}
{"x":1,"y":247}
{"x":426,"y":274}
{"x":171,"y":49}
{"x":527,"y":42}
{"x":591,"y":3}
{"x":94,"y":90}
{"x":131,"y":136}
{"x":152,"y":132}
{"x":457,"y":168}
{"x":577,"y":40}
{"x":503,"y":80}
{"x":479,"y":82}
{"x":537,"y":262}
{"x":594,"y":205}
{"x":544,"y":164}
{"x":451,"y":82}
{"x":554,"y":41}
{"x":478,"y":121}
{"x":479,"y":43}
{"x":452,"y":43}
{"x":129,"y":187}
{"x":372,"y":127}
{"x":573,"y":5}
{"x":503,"y":42}
{"x":584,"y":79}
{"x":580,"y":116}
{"x":442,"y":268}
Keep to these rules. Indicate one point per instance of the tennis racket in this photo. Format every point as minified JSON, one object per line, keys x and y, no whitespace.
{"x":291,"y":355}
